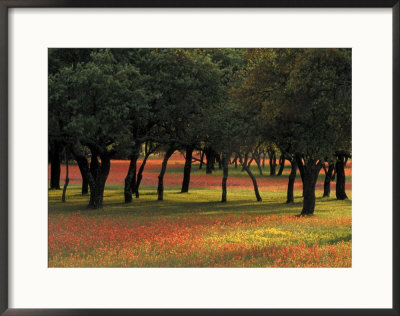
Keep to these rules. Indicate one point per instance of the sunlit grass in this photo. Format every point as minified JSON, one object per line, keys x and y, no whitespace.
{"x":195,"y":229}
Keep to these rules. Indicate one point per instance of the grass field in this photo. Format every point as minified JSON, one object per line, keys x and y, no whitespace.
{"x":194,"y":229}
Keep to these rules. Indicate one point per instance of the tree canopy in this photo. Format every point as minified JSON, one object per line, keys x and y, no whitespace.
{"x":228,"y":103}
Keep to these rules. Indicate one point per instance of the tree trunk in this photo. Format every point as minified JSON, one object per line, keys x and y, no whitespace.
{"x":209,"y":152}
{"x":83,"y":170}
{"x":255,"y":185}
{"x":140,"y":173}
{"x":186,"y":170}
{"x":328,"y":178}
{"x":263,"y":161}
{"x":84,"y":167}
{"x":85,"y":186}
{"x":66,"y":177}
{"x":55,"y":166}
{"x":292,"y":178}
{"x":225,"y":176}
{"x":130,"y":179}
{"x":218,"y":160}
{"x":257,"y":160}
{"x":301,"y":168}
{"x":250,"y":161}
{"x":281,"y":164}
{"x":272,"y":162}
{"x":341,"y":177}
{"x":201,"y":159}
{"x":311,"y":172}
{"x":96,"y":197}
{"x":160,"y":188}
{"x":94,"y":163}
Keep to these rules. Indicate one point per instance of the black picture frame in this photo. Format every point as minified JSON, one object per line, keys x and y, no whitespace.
{"x":4,"y":143}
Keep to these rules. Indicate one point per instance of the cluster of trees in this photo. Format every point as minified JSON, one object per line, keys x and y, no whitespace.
{"x":232,"y":105}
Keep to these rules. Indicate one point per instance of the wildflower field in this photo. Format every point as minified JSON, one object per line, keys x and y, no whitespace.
{"x":194,"y":229}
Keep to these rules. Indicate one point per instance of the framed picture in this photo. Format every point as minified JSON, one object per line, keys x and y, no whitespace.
{"x":202,"y":104}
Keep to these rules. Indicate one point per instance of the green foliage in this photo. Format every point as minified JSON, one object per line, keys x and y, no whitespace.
{"x":243,"y":101}
{"x":285,"y":98}
{"x":300,"y":99}
{"x":95,"y":99}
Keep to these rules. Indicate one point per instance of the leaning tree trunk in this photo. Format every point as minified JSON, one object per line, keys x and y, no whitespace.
{"x":311,"y":172}
{"x":255,"y":185}
{"x":55,"y":166}
{"x":281,"y":164}
{"x":140,"y":173}
{"x":130,"y":184}
{"x":96,"y":197}
{"x":225,"y":176}
{"x":258,"y":162}
{"x":328,"y":178}
{"x":201,"y":159}
{"x":160,"y":187}
{"x":186,"y":170}
{"x":292,"y":178}
{"x":246,"y":163}
{"x":341,"y":177}
{"x":84,"y":168}
{"x":130,"y":179}
{"x":66,"y":177}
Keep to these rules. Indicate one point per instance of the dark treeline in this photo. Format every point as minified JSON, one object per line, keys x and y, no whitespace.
{"x":236,"y":106}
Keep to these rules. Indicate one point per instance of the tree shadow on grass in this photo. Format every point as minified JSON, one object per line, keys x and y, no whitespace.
{"x":178,"y":204}
{"x":182,"y":208}
{"x":339,"y":239}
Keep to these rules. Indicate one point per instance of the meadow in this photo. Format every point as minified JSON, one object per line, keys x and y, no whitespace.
{"x":195,"y":229}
